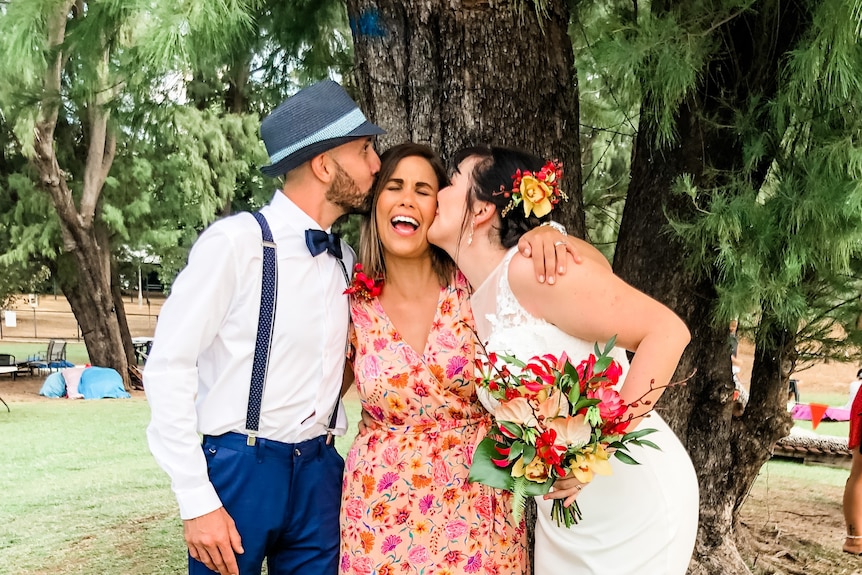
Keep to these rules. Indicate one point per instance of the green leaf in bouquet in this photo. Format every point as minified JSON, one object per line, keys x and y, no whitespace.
{"x":574,"y":395}
{"x":511,"y":359}
{"x":638,"y":433}
{"x":519,"y":498}
{"x":533,"y":489}
{"x":529,"y":452}
{"x":645,"y":443}
{"x":523,"y":488}
{"x":512,"y":428}
{"x":625,"y":457}
{"x":585,"y":402}
{"x":609,"y":346}
{"x":516,"y":450}
{"x":602,"y":364}
{"x":485,"y":471}
{"x":572,"y":372}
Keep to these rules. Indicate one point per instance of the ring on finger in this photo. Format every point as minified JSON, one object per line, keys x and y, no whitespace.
{"x":559,"y":243}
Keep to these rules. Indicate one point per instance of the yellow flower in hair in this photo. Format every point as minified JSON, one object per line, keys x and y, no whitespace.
{"x":536,"y":196}
{"x":539,"y":191}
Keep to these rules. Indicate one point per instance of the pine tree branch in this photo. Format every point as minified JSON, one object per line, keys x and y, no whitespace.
{"x":597,"y":162}
{"x":721,"y":23}
{"x":608,"y":130}
{"x":610,"y":90}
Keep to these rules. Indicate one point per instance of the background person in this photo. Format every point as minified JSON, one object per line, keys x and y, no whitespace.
{"x":852,"y":504}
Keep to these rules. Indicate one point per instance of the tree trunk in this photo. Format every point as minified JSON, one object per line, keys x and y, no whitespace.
{"x":457,"y":73}
{"x":727,"y":452}
{"x":84,"y":268}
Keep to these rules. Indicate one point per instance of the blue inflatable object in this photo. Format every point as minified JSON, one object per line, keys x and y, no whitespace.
{"x":55,"y":386}
{"x":101,"y":382}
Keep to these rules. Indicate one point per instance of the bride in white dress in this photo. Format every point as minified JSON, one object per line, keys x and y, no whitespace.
{"x":641,"y":519}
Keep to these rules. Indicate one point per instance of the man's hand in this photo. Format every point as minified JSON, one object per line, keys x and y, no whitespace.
{"x":547,"y":248}
{"x":213,"y":539}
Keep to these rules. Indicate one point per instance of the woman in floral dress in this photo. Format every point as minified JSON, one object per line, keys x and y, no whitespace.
{"x":407,"y":506}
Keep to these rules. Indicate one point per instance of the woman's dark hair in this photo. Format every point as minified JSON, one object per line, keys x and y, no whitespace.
{"x":370,"y":247}
{"x":494,"y":170}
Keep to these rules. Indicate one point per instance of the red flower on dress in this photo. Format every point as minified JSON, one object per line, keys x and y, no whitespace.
{"x":364,"y":286}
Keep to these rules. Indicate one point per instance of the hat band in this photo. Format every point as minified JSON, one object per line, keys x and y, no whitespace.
{"x":338,"y":129}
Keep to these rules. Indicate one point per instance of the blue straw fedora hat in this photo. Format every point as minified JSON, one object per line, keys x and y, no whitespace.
{"x":310,"y":122}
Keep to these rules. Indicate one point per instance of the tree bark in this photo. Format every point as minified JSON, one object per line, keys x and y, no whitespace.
{"x":457,"y":73}
{"x":85,"y":275}
{"x":727,"y":452}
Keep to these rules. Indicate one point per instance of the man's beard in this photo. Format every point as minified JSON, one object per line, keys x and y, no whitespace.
{"x":345,"y":194}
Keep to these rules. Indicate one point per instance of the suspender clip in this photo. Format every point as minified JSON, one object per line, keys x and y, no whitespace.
{"x":252,"y":437}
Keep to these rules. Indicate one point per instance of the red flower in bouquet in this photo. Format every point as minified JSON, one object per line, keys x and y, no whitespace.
{"x":364,"y":286}
{"x":553,"y":419}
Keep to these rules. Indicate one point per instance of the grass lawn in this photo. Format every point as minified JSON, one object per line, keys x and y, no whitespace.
{"x":83,"y":495}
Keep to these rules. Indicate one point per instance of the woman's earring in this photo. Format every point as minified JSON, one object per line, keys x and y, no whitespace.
{"x":470,"y":235}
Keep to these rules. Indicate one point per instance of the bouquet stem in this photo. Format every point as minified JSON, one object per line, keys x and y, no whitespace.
{"x":563,"y":515}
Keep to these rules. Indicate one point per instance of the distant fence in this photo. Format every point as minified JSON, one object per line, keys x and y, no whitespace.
{"x":40,"y":324}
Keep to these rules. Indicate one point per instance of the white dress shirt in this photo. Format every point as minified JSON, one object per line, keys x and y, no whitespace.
{"x":198,"y":372}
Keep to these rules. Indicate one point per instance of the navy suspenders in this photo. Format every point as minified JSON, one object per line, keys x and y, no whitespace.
{"x":265,"y":324}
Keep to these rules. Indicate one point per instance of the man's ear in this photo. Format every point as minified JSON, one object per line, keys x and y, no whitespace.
{"x":483,"y":211}
{"x":322,"y":167}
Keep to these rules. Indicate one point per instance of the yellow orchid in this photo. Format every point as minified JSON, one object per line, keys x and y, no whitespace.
{"x":536,"y":196}
{"x":519,"y":469}
{"x":539,"y":191}
{"x":536,"y":470}
{"x":591,"y":463}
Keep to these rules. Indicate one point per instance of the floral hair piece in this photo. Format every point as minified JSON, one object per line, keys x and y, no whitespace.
{"x":364,"y":286}
{"x":539,"y":192}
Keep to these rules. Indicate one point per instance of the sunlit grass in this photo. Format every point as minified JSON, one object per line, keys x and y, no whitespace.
{"x":81,"y":493}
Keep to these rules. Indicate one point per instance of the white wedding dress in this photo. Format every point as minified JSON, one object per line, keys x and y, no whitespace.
{"x":642,"y":519}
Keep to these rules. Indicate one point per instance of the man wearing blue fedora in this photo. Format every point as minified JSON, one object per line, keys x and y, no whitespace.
{"x":259,"y":381}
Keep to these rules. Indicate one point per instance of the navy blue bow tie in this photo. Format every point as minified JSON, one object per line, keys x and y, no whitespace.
{"x":319,"y":241}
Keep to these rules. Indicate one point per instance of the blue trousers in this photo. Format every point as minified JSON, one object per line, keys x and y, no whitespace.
{"x":285,"y":499}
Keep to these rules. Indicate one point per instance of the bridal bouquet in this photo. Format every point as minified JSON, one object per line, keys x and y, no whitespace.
{"x":553,"y":419}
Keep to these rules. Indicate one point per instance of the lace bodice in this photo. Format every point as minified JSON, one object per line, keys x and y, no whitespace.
{"x":505,"y":326}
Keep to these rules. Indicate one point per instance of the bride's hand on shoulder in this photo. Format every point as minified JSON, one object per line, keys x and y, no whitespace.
{"x":547,"y":246}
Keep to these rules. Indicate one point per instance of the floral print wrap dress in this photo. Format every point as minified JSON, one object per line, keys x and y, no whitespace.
{"x":407,"y":506}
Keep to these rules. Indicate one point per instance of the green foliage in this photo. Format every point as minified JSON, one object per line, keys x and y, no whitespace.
{"x":787,"y":247}
{"x":608,"y":118}
{"x":185,"y":84}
